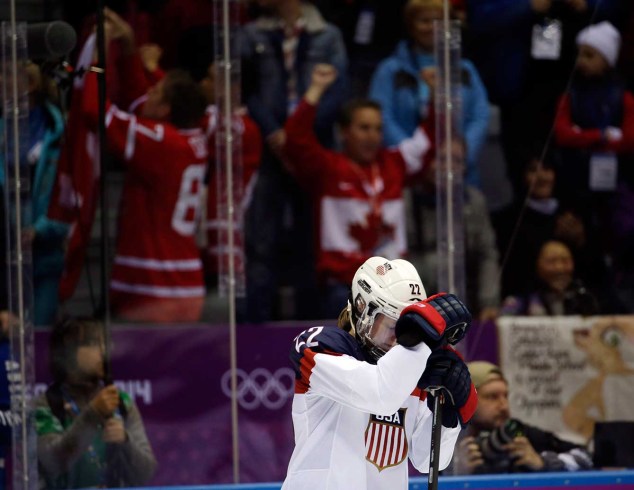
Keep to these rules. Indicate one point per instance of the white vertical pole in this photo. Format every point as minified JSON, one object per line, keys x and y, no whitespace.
{"x":451,"y":246}
{"x":231,"y":290}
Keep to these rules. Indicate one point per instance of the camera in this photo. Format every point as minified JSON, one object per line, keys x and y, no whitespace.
{"x":492,"y":443}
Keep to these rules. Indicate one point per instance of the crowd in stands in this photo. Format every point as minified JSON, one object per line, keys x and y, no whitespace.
{"x":338,"y":156}
{"x":336,"y":162}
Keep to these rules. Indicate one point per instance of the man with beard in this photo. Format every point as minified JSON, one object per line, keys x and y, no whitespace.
{"x":496,"y":443}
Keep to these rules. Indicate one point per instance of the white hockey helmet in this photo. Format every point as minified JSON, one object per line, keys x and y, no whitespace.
{"x":382,"y":287}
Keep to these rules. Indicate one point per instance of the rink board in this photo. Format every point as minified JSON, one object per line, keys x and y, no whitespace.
{"x":589,"y":480}
{"x":179,"y":376}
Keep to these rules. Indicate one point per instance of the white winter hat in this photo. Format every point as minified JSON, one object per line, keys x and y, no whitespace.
{"x":604,"y":38}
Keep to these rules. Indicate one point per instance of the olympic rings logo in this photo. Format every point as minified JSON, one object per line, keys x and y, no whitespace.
{"x":261,"y":387}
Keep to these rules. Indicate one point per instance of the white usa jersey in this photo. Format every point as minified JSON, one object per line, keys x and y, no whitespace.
{"x":356,"y":423}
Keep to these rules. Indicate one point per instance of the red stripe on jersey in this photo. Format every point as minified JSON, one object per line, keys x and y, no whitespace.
{"x":379,"y":441}
{"x":167,"y":278}
{"x":394,"y":453}
{"x":417,"y":392}
{"x":394,"y":436}
{"x":387,"y":444}
{"x":371,"y":438}
{"x":399,"y":444}
{"x":306,"y":366}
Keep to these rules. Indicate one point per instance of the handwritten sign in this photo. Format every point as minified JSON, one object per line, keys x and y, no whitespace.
{"x":565,"y":373}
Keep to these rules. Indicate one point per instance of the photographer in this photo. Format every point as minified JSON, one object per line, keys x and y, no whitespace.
{"x":89,"y":434}
{"x":496,"y":443}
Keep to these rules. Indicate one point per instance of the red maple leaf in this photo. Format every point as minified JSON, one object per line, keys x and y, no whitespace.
{"x":372,"y":233}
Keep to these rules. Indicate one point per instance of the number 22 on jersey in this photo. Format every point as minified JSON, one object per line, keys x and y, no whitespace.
{"x":310,"y":342}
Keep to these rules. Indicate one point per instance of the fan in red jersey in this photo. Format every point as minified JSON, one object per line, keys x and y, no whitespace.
{"x":358,"y":193}
{"x":247,"y":158}
{"x":157,"y":273}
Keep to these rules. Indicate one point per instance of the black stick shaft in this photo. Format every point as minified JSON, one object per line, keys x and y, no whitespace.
{"x":103,"y":186}
{"x":434,"y":452}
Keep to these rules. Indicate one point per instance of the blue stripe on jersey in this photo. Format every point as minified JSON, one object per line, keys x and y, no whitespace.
{"x":324,"y":340}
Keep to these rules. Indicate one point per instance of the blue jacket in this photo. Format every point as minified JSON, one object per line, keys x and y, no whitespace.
{"x":404,"y":98}
{"x":266,"y":76}
{"x":48,"y":250}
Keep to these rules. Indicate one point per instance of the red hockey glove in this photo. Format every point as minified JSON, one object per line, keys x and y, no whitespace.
{"x":439,"y":319}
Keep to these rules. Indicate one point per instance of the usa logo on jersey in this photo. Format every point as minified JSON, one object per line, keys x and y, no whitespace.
{"x":385,"y":440}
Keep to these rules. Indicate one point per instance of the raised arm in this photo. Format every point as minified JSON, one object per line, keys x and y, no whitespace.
{"x":59,"y":448}
{"x":306,"y":157}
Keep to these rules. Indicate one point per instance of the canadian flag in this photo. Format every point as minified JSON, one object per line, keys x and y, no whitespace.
{"x":74,"y":198}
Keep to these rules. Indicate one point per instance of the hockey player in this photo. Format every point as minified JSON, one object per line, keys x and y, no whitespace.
{"x":360,"y":408}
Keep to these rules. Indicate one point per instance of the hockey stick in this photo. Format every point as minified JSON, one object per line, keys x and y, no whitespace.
{"x":434,"y":451}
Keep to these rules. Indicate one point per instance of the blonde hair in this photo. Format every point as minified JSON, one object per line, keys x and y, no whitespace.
{"x":344,"y":321}
{"x":413,"y":8}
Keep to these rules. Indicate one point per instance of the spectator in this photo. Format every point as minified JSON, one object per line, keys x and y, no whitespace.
{"x":157,"y":274}
{"x":398,"y":85}
{"x":530,"y":449}
{"x":74,"y":198}
{"x":279,"y":51}
{"x":46,"y":236}
{"x":526,"y":224}
{"x":357,"y":408}
{"x":525,"y":51}
{"x":247,"y":157}
{"x":357,"y":193}
{"x":371,"y":29}
{"x":556,"y":290}
{"x":89,"y":434}
{"x":138,"y":13}
{"x":595,"y":124}
{"x":481,"y":254}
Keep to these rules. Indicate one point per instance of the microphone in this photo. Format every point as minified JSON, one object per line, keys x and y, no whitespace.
{"x":50,"y":40}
